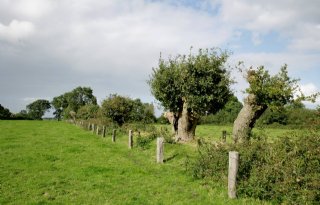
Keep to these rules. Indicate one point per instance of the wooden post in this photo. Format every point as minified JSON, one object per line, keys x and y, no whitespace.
{"x":97,"y":130}
{"x":89,"y":126}
{"x":114,"y":135}
{"x":93,"y":128}
{"x":224,"y":136}
{"x":104,"y":131}
{"x":232,"y":174}
{"x":160,"y":149}
{"x":130,"y":144}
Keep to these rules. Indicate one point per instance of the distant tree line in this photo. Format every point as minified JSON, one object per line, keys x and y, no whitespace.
{"x":80,"y":103}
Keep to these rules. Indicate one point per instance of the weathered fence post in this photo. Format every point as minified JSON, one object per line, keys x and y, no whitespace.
{"x":114,"y":135}
{"x":130,"y":143}
{"x":232,"y":174}
{"x":224,"y":136}
{"x":89,"y":126}
{"x":93,"y":128}
{"x":104,"y":131}
{"x":160,"y":149}
{"x":97,"y":133}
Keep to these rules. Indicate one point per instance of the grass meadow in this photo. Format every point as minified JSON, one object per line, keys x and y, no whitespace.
{"x":50,"y":162}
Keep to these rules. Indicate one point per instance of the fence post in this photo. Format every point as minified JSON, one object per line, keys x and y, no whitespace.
{"x":160,"y":149}
{"x":130,"y":139}
{"x":114,"y":135}
{"x":93,"y":128}
{"x":224,"y":136}
{"x":89,"y":126}
{"x":232,"y":174}
{"x":97,"y":133}
{"x":104,"y":131}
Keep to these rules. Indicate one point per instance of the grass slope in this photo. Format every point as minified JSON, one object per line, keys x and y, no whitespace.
{"x":47,"y":162}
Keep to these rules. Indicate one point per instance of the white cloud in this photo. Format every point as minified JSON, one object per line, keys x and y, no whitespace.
{"x":16,"y":30}
{"x":296,"y":20}
{"x":32,"y":8}
{"x":309,"y":88}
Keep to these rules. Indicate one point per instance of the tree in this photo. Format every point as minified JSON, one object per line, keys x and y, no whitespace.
{"x":122,"y":109}
{"x":265,"y":91}
{"x":5,"y":114}
{"x":37,"y":109}
{"x":88,"y":112}
{"x":72,"y":101}
{"x":190,"y":86}
{"x":117,"y":108}
{"x":226,"y":115}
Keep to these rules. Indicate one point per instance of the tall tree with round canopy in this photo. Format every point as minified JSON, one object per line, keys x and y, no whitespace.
{"x":191,"y":86}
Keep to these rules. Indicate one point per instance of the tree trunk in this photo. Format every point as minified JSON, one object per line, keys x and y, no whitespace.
{"x":183,"y":123}
{"x":246,"y":119}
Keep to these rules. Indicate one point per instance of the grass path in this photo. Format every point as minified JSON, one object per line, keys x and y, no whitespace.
{"x":48,"y":162}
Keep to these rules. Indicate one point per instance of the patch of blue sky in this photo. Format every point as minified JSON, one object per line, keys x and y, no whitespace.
{"x":202,"y":5}
{"x":246,"y":41}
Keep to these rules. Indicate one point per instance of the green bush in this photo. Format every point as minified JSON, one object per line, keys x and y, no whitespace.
{"x":285,"y":171}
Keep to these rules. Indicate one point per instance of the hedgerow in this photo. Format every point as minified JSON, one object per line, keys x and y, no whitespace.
{"x":286,"y":170}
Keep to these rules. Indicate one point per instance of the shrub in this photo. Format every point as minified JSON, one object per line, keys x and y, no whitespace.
{"x":285,"y":171}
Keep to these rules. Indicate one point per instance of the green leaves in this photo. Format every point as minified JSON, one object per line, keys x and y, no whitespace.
{"x":201,"y":80}
{"x":274,"y":91}
{"x":122,"y":109}
{"x":72,"y":101}
{"x":37,"y":108}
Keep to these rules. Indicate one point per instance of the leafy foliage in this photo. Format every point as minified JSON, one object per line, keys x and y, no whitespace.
{"x":226,"y":115}
{"x":123,"y":109}
{"x":88,"y":111}
{"x":72,"y":101}
{"x":201,"y":80}
{"x":37,"y":109}
{"x":274,"y":91}
{"x":285,"y":171}
{"x":4,"y":113}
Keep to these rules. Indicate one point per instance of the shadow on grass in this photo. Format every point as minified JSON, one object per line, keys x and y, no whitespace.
{"x":170,"y":158}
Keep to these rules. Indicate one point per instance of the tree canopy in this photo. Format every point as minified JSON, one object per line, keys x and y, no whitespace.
{"x":192,"y":84}
{"x":122,"y":109}
{"x":37,"y":109}
{"x":202,"y":80}
{"x":72,"y":101}
{"x":4,"y":113}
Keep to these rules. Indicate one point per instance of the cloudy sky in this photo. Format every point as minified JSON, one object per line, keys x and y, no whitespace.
{"x":49,"y":47}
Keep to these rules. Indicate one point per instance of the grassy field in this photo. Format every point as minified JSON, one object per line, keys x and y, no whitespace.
{"x":48,"y":162}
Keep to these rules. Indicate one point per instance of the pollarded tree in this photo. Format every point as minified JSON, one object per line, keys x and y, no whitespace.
{"x":190,"y":86}
{"x":265,"y":91}
{"x":37,"y":109}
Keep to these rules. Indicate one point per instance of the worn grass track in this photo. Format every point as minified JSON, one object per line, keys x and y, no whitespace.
{"x":48,"y":162}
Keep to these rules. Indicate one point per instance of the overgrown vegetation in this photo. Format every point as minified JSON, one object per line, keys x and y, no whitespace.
{"x":283,"y":171}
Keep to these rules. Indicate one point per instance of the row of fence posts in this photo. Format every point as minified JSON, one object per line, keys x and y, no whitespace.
{"x":233,"y":155}
{"x":95,"y":129}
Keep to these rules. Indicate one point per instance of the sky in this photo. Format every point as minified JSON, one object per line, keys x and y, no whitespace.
{"x":49,"y":47}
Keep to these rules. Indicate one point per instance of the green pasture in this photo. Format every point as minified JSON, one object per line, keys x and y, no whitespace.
{"x":49,"y":162}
